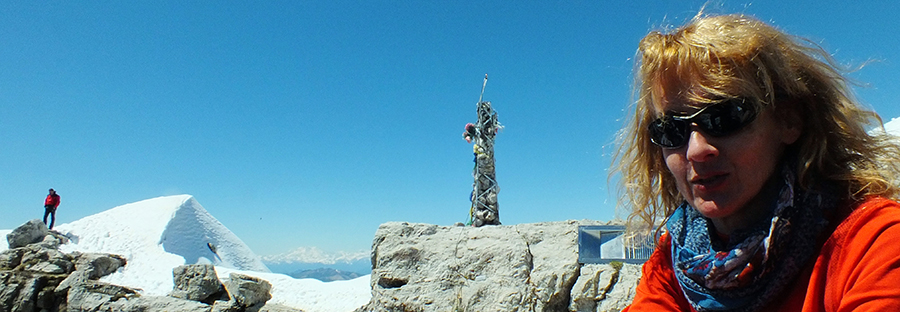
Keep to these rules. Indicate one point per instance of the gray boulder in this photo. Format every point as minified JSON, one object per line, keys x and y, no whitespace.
{"x":197,"y":282}
{"x":247,"y":291}
{"x":525,"y":267}
{"x":29,"y":233}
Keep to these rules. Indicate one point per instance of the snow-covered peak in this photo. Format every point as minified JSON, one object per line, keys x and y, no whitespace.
{"x":156,"y":235}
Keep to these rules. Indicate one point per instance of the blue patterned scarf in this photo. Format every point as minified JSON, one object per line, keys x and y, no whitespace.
{"x":755,"y":265}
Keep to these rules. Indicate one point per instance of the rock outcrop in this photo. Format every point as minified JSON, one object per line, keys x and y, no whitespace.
{"x":247,"y":293}
{"x":525,"y":267}
{"x":198,"y":283}
{"x":36,"y":276}
{"x":31,"y":232}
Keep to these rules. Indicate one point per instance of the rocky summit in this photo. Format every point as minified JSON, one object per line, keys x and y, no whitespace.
{"x":36,"y":276}
{"x":525,"y":267}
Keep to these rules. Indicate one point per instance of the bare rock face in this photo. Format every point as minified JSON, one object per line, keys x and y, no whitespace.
{"x":525,"y":267}
{"x":11,"y":258}
{"x":605,"y":287}
{"x":27,"y":291}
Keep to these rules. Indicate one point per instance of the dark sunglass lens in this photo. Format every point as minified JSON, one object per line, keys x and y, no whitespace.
{"x":726,"y":118}
{"x":668,"y":132}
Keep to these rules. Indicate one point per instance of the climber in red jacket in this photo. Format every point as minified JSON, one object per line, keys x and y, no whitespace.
{"x":50,"y":205}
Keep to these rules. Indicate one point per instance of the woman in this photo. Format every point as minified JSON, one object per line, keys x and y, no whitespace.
{"x":750,"y":146}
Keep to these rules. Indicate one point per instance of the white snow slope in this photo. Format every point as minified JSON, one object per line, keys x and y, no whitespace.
{"x":159,"y":234}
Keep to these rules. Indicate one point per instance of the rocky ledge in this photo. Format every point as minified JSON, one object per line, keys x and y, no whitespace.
{"x":36,"y":276}
{"x":526,"y":267}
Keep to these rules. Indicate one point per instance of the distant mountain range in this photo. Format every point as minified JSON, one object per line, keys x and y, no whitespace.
{"x":303,"y":259}
{"x":325,"y":274}
{"x":316,"y":255}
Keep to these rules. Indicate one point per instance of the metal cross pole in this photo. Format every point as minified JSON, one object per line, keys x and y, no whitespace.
{"x":485,"y":209}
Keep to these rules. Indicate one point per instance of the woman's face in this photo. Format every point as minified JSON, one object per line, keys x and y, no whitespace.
{"x":722,"y":177}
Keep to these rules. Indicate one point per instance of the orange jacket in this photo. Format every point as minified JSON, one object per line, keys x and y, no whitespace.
{"x":857,"y":269}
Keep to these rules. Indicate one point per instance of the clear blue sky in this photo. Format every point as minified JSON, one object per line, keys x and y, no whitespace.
{"x":309,"y":123}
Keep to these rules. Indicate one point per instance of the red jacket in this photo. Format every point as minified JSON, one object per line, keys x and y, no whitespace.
{"x":857,"y":269}
{"x":52,"y":200}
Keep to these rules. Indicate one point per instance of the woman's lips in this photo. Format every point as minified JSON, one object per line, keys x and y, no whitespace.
{"x":708,"y":182}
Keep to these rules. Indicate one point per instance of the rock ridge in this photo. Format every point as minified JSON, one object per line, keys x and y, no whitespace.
{"x":524,"y":267}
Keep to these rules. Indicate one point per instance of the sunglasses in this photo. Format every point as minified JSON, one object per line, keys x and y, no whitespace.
{"x":717,"y":120}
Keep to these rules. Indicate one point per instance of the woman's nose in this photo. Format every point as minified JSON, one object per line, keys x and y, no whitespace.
{"x":699,"y":149}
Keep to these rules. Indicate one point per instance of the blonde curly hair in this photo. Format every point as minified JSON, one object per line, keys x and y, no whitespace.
{"x":732,"y":56}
